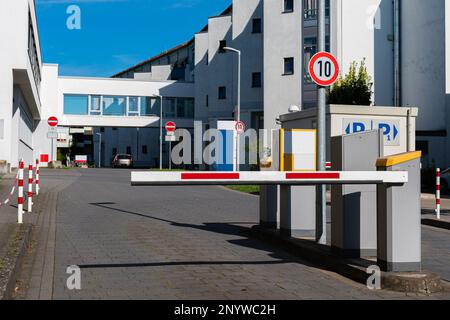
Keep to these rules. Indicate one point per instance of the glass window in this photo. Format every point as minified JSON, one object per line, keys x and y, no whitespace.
{"x":144,"y":149}
{"x":222,"y":93}
{"x":185,"y":108}
{"x":169,"y":107}
{"x":288,"y":66}
{"x":75,"y":104}
{"x":150,"y":106}
{"x":288,"y":5}
{"x":133,"y":106}
{"x":257,"y":25}
{"x":222,"y":45}
{"x":256,"y":80}
{"x":95,"y":106}
{"x":114,"y":106}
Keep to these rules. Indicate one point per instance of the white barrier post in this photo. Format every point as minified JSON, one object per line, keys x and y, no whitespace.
{"x":30,"y":188}
{"x":37,"y":177}
{"x":438,"y":193}
{"x":20,"y":193}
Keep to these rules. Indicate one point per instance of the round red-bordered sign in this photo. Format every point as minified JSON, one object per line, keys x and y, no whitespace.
{"x":324,"y":69}
{"x":52,"y":121}
{"x":240,"y":127}
{"x":171,"y":126}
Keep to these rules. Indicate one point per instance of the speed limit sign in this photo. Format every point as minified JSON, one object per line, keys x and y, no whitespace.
{"x":324,"y":69}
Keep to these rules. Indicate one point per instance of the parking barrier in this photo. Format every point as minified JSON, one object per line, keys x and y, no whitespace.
{"x":438,"y":193}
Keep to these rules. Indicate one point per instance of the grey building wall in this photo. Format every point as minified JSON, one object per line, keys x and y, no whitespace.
{"x":282,"y":39}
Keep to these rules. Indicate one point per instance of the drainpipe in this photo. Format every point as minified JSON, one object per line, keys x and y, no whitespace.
{"x":397,"y":54}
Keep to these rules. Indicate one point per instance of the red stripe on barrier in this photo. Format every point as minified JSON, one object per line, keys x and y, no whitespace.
{"x":30,"y":180}
{"x":20,"y":183}
{"x":37,"y":181}
{"x":210,"y":176}
{"x":312,"y":175}
{"x":438,"y":187}
{"x":21,"y":165}
{"x":438,"y":201}
{"x":20,"y":200}
{"x":30,"y":194}
{"x":30,"y":167}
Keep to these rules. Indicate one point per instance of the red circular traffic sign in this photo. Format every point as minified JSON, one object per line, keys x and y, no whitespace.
{"x":171,"y":126}
{"x":240,"y":127}
{"x":52,"y":121}
{"x":324,"y":69}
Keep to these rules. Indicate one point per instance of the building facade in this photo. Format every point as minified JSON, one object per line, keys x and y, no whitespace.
{"x":405,"y":46}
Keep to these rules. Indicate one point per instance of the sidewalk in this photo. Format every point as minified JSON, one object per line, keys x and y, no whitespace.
{"x":13,"y":237}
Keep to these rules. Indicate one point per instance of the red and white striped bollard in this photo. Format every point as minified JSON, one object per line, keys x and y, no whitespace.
{"x":37,"y":177}
{"x":30,"y":188}
{"x":438,"y":193}
{"x":20,"y":194}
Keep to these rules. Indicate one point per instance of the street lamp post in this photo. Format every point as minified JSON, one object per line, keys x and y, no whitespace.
{"x":238,"y":107}
{"x":160,"y":129}
{"x":99,"y":149}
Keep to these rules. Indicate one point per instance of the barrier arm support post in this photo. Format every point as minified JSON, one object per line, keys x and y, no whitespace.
{"x":399,"y":216}
{"x":30,"y":188}
{"x":37,"y":177}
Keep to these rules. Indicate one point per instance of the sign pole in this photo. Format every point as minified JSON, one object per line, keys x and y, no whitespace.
{"x":321,"y":212}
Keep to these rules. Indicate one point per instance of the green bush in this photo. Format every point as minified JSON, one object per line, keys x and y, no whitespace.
{"x":354,"y":89}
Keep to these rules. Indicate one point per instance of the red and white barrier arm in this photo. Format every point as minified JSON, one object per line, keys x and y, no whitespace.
{"x":438,"y":193}
{"x":142,"y":178}
{"x":30,"y":188}
{"x":20,"y":193}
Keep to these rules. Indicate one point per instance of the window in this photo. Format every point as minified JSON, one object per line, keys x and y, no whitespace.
{"x":310,"y":49}
{"x":95,"y":108}
{"x":207,"y":100}
{"x":75,"y":104}
{"x":114,"y":152}
{"x":256,"y":80}
{"x":288,"y":66}
{"x":288,"y":5}
{"x":133,"y":106}
{"x":33,"y":53}
{"x":222,"y":93}
{"x":114,"y":106}
{"x":169,"y":109}
{"x":310,"y":9}
{"x":144,"y":150}
{"x":222,"y":45}
{"x":185,"y":108}
{"x":128,"y":150}
{"x":150,"y":106}
{"x":102,"y":129}
{"x":257,"y":25}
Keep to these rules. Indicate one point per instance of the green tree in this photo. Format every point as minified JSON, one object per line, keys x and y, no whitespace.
{"x":354,"y":89}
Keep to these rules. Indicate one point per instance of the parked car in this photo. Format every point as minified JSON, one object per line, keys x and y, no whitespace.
{"x":122,"y":161}
{"x":445,"y":181}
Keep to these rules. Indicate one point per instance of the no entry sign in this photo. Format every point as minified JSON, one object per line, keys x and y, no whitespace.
{"x":240,"y":127}
{"x":171,"y":126}
{"x":324,"y":69}
{"x":52,"y":121}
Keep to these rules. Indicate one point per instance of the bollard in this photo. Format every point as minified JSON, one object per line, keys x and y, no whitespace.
{"x":37,"y":177}
{"x":30,"y":188}
{"x":438,"y":193}
{"x":20,"y":193}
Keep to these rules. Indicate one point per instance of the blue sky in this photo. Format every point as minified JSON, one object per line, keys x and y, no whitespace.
{"x":116,"y":34}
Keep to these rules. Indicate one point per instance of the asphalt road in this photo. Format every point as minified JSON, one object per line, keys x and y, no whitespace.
{"x":162,"y":243}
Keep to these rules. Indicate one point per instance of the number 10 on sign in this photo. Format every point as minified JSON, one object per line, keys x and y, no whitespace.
{"x":324,"y":69}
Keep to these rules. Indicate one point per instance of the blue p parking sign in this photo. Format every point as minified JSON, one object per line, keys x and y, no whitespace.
{"x":390,"y":128}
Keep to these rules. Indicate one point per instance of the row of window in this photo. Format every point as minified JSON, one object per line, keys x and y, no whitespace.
{"x":96,"y":105}
{"x":33,"y":54}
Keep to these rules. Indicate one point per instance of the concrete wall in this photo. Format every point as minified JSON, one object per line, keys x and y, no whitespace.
{"x":363,"y":29}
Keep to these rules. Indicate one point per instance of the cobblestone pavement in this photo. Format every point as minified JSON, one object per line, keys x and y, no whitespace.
{"x":168,"y":243}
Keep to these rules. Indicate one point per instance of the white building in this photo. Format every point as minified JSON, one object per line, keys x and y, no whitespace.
{"x":20,"y":81}
{"x":409,"y":65}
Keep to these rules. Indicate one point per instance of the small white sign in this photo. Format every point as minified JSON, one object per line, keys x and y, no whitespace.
{"x":52,"y":135}
{"x":171,"y":138}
